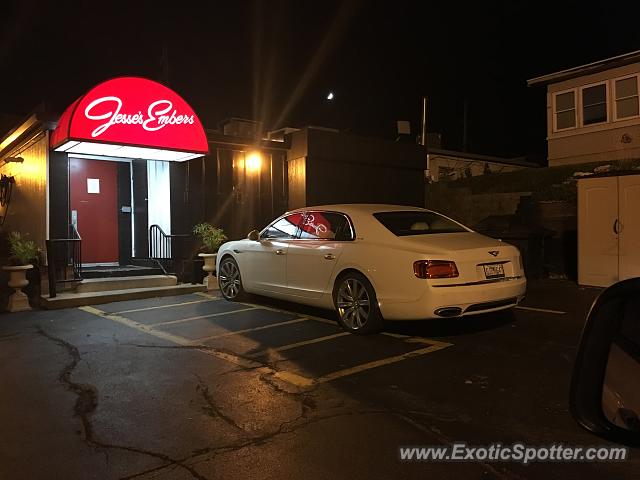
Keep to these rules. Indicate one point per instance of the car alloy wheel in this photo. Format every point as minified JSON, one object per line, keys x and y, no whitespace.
{"x":353,"y":303}
{"x":357,"y":306}
{"x":229,"y":279}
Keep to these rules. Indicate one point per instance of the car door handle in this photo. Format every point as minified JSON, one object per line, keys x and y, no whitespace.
{"x":329,"y":256}
{"x":279,"y":252}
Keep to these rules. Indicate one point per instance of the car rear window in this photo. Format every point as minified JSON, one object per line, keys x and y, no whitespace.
{"x":417,"y":223}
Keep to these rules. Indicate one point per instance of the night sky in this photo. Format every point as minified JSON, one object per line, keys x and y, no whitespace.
{"x":276,"y":61}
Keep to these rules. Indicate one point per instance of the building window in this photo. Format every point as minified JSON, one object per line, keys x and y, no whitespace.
{"x":626,"y":91}
{"x":594,"y":104}
{"x":565,"y":110}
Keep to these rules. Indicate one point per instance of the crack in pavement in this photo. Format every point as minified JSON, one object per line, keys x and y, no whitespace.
{"x":87,"y":402}
{"x":87,"y":396}
{"x":291,"y":426}
{"x":284,"y":428}
{"x":212,"y":409}
{"x":269,"y":379}
{"x":287,"y":426}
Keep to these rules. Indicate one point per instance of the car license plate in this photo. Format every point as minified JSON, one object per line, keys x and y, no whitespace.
{"x":494,"y":270}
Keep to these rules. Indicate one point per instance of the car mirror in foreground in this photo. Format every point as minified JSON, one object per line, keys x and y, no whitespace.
{"x":605,"y":386}
{"x":254,"y":235}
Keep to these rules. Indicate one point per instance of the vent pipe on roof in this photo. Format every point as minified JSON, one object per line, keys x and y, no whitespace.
{"x":423,"y":135}
{"x":464,"y":128}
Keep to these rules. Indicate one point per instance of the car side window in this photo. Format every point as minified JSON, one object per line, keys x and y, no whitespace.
{"x":326,"y":226}
{"x":283,"y":228}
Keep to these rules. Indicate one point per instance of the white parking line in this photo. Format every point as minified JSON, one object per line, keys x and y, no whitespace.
{"x":163,"y":306}
{"x":298,"y":344}
{"x":247,"y":330}
{"x":137,"y":325}
{"x":247,"y":361}
{"x":543,"y":310}
{"x":199,"y":317}
{"x":379,"y":363}
{"x":280,"y":310}
{"x":292,"y":378}
{"x":209,"y":296}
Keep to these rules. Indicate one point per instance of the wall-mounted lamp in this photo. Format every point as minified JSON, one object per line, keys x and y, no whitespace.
{"x":12,"y":160}
{"x":253,"y":162}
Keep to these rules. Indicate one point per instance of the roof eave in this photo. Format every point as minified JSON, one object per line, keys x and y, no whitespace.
{"x":22,"y":130}
{"x":589,"y":68}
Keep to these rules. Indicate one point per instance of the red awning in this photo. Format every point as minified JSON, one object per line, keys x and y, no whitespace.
{"x":130,"y":116}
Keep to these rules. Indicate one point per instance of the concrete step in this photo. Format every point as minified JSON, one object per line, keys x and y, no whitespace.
{"x":122,"y":283}
{"x":108,"y":271}
{"x":68,"y":300}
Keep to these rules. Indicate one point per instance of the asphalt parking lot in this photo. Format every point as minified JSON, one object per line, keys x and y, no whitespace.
{"x":198,"y":387}
{"x":299,"y":348}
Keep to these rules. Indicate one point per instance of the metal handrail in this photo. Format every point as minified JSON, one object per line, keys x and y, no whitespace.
{"x":160,"y":242}
{"x":162,"y":248}
{"x":61,"y":254}
{"x":74,"y":232}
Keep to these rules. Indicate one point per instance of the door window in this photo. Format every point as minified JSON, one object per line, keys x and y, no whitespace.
{"x":283,"y":228}
{"x":326,"y":226}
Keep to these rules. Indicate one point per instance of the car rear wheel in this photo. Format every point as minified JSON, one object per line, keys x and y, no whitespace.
{"x":356,"y":304}
{"x":230,"y":281}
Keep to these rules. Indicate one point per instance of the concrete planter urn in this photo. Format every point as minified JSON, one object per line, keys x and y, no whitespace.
{"x":211,"y":237}
{"x":18,"y":301}
{"x":209,"y":266}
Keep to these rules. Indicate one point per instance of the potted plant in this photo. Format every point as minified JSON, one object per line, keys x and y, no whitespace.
{"x":23,"y":254}
{"x":211,"y":237}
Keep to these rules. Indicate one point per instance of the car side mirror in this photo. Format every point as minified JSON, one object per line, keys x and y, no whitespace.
{"x":254,"y":235}
{"x":605,"y":386}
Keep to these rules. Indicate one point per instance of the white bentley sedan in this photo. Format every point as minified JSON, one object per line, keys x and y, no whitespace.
{"x":374,"y":262}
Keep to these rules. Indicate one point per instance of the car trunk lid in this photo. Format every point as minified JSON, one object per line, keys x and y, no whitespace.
{"x":477,"y":257}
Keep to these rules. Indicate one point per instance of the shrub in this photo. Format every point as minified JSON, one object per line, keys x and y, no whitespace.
{"x":211,"y":237}
{"x":23,"y":252}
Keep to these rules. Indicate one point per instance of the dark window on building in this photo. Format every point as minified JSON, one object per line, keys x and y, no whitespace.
{"x":565,"y":110}
{"x":594,"y":104}
{"x":626,"y":97}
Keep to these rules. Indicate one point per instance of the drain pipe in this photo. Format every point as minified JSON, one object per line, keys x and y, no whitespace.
{"x":423,"y":138}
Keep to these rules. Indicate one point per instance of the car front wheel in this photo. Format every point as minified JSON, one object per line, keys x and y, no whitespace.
{"x":229,"y":280}
{"x":356,"y":304}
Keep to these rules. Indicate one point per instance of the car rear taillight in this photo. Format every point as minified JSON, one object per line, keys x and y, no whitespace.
{"x":435,"y":269}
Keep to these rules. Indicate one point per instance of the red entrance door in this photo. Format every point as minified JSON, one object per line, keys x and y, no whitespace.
{"x":94,"y":199}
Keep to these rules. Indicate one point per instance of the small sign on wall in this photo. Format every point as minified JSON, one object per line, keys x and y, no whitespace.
{"x":93,"y":185}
